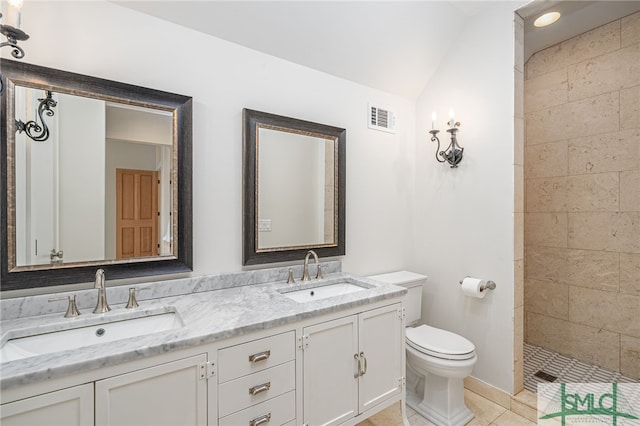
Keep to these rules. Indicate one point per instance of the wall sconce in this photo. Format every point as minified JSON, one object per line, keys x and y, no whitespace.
{"x":13,"y":33}
{"x":37,"y":132}
{"x":453,"y":153}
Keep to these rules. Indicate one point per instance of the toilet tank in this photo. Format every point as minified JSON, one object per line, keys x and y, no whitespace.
{"x":413,"y":282}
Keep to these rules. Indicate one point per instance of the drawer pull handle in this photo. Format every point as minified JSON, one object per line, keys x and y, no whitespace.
{"x":364,"y":362}
{"x":259,"y":388}
{"x":259,"y":420}
{"x":358,"y":373}
{"x":260,"y":356}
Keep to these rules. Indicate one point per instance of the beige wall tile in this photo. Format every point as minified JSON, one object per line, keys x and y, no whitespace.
{"x":605,"y":231}
{"x":518,"y":190}
{"x":547,"y":298}
{"x":588,"y":344}
{"x":614,"y":71}
{"x":630,"y":356}
{"x":546,"y":160}
{"x":593,"y":269}
{"x":518,"y":27}
{"x":585,"y":117}
{"x":518,"y":376}
{"x":611,"y":152}
{"x":519,"y":98}
{"x":546,"y":194}
{"x":545,"y":229}
{"x":545,"y":264}
{"x":630,"y":191}
{"x":518,"y":283}
{"x":616,"y":312}
{"x":518,"y":149}
{"x":630,"y":28}
{"x":518,"y":337}
{"x":546,"y":90}
{"x":630,"y":108}
{"x":518,"y":241}
{"x":593,"y":43}
{"x":595,"y":192}
{"x":630,"y":273}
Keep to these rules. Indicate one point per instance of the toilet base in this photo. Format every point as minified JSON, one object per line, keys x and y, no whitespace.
{"x":442,"y":403}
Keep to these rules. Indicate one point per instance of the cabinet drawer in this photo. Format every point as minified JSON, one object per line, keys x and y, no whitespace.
{"x":257,"y":387}
{"x":240,"y":360}
{"x":278,"y":411}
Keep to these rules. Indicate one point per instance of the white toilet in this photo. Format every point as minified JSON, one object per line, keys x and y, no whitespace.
{"x":437,"y":360}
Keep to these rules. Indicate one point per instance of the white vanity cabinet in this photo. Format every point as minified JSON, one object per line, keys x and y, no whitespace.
{"x":173,"y":393}
{"x":352,"y":364}
{"x":256,"y":382}
{"x":69,"y":407}
{"x":336,"y":368}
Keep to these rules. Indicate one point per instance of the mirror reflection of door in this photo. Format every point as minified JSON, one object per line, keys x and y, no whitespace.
{"x":66,"y":186}
{"x":136,"y":213}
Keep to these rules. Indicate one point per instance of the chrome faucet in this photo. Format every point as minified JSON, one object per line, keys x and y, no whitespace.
{"x":305,"y":272}
{"x":102,"y":306}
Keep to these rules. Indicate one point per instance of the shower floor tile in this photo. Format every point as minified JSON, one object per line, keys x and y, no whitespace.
{"x":566,"y":369}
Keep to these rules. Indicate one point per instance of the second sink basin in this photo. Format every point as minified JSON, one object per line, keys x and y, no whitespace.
{"x":72,"y":338}
{"x":320,"y":291}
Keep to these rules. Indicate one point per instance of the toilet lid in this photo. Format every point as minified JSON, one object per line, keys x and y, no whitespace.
{"x":439,"y":343}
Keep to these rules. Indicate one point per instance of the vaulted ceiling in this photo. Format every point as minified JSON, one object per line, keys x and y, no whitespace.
{"x":394,"y":46}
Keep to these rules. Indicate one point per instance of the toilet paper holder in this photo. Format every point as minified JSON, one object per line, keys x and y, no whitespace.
{"x":490,"y":285}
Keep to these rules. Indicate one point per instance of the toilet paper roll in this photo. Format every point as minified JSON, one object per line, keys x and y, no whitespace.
{"x":471,"y":287}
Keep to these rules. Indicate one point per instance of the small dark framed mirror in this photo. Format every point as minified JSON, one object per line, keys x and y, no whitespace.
{"x":108,"y":185}
{"x":294,"y":188}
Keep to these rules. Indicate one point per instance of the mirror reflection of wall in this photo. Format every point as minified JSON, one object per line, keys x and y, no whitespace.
{"x":66,"y":186}
{"x":296,"y":199}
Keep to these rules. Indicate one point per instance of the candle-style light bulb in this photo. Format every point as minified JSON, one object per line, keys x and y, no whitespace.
{"x":452,"y":122}
{"x":434,"y":117}
{"x":13,"y":13}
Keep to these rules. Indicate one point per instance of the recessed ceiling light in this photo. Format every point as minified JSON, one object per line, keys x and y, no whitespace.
{"x":547,"y":19}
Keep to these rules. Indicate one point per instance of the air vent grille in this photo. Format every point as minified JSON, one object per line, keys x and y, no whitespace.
{"x":381,"y":119}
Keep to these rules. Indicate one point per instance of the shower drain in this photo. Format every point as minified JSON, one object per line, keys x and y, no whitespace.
{"x":545,"y":376}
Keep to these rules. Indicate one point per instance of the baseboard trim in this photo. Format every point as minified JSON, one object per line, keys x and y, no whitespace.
{"x":488,"y":391}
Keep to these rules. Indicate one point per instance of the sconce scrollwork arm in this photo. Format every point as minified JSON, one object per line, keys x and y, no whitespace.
{"x":453,"y":153}
{"x":35,"y":131}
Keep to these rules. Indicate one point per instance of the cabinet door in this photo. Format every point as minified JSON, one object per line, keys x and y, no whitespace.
{"x":330,"y":390}
{"x":381,"y":343}
{"x":167,"y":394}
{"x":67,"y":407}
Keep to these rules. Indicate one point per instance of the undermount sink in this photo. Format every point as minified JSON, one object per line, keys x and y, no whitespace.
{"x":29,"y":344}
{"x":310,"y":292}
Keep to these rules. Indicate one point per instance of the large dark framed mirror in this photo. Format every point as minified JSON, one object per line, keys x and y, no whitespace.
{"x":294,"y":188}
{"x":109,"y":187}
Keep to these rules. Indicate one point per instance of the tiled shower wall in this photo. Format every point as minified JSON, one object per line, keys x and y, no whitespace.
{"x":582,"y":197}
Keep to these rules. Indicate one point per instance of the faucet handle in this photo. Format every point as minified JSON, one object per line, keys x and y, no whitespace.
{"x":133,"y":303}
{"x":290,"y":278}
{"x":319,"y":272}
{"x":72,"y":309}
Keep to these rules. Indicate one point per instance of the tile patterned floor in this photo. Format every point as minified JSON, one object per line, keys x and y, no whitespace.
{"x":487,"y":414}
{"x":566,"y":369}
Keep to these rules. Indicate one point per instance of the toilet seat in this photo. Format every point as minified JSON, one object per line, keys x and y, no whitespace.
{"x":439,"y":343}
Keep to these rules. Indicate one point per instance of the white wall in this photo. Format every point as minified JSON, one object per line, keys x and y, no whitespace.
{"x":105,"y":40}
{"x":81,"y":156}
{"x":464,"y":221}
{"x":404,"y":210}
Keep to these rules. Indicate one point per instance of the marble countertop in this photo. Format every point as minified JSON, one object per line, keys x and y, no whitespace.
{"x":208,"y":316}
